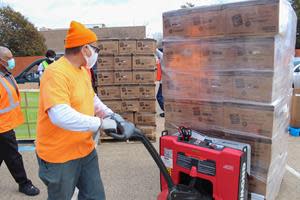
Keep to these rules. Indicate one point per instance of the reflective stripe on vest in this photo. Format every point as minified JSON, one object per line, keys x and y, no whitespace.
{"x":45,"y":64}
{"x":13,"y":104}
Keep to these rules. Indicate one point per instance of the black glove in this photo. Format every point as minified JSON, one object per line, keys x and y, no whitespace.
{"x":118,"y":118}
{"x":125,"y":129}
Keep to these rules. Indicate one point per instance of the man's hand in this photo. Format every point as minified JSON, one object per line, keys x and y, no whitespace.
{"x":125,"y":128}
{"x":108,"y":124}
{"x":118,"y":118}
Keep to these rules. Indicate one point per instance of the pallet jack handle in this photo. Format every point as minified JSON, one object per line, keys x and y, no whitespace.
{"x":156,"y":157}
{"x":135,"y":133}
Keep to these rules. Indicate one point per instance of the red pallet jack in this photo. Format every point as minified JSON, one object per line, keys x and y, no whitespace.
{"x":196,"y":167}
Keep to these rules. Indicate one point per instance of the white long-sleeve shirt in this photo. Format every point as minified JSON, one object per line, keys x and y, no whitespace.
{"x":64,"y":116}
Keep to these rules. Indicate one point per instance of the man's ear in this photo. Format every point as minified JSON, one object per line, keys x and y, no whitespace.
{"x":86,"y":50}
{"x":3,"y":62}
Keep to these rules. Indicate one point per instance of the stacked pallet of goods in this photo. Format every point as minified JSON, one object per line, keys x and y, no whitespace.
{"x":126,"y":80}
{"x":228,"y":74}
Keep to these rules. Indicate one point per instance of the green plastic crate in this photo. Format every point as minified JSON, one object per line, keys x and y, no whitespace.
{"x":22,"y":132}
{"x":26,"y":131}
{"x":32,"y":99}
{"x":31,"y":115}
{"x":23,"y":99}
{"x":32,"y":129}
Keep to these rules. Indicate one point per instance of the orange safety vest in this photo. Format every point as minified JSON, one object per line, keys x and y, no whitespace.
{"x":11,"y":115}
{"x":158,"y":74}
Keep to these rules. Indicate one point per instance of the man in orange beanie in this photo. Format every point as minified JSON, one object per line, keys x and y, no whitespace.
{"x":66,"y":121}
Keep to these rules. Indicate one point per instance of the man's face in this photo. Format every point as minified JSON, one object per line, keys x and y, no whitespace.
{"x":5,"y":57}
{"x":86,"y":51}
{"x":90,"y":54}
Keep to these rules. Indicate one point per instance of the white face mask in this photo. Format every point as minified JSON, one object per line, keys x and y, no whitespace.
{"x":90,"y":61}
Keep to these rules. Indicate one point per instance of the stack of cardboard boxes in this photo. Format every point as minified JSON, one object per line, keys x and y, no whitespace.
{"x":228,"y":74}
{"x":126,"y":80}
{"x":295,"y":114}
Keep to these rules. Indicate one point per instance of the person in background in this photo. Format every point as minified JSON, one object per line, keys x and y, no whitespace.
{"x":159,"y":96}
{"x":66,"y":121}
{"x":10,"y":118}
{"x":50,"y":58}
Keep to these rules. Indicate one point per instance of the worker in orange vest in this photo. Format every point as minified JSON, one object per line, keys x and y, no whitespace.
{"x":10,"y":118}
{"x":159,"y":95}
{"x":66,"y":121}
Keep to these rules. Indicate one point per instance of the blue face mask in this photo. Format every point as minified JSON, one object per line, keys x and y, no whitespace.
{"x":11,"y":64}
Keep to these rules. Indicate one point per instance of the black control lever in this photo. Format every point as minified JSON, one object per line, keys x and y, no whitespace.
{"x":184,"y":134}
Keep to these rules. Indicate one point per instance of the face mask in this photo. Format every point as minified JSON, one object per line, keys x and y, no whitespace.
{"x":90,"y":61}
{"x":51,"y":59}
{"x":11,"y":64}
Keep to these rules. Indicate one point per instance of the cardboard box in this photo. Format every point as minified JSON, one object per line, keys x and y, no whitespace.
{"x":295,"y":108}
{"x":144,"y":76}
{"x":269,"y":188}
{"x":147,"y":106}
{"x":260,"y":119}
{"x":214,"y":85}
{"x":252,"y":18}
{"x":224,"y":54}
{"x":105,"y":77}
{"x":143,"y":62}
{"x":145,"y":46}
{"x":138,"y":91}
{"x":146,"y":91}
{"x":175,"y":25}
{"x":254,"y":86}
{"x":181,"y":85}
{"x":197,"y":86}
{"x":128,"y":116}
{"x":108,"y":47}
{"x":266,"y":153}
{"x":122,"y":62}
{"x":109,"y":92}
{"x":105,"y":63}
{"x":145,"y":119}
{"x":130,"y":92}
{"x":123,"y":77}
{"x":260,"y":17}
{"x":127,"y":46}
{"x":208,"y":22}
{"x":114,"y":105}
{"x":130,"y":106}
{"x":195,"y":22}
{"x":194,"y":114}
{"x":149,"y":131}
{"x":137,"y":105}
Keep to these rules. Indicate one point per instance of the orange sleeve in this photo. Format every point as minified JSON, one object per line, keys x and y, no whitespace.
{"x":54,"y":90}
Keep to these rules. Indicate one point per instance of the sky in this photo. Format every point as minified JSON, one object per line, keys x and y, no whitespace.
{"x":59,"y":13}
